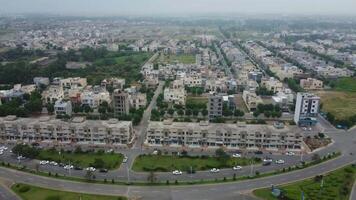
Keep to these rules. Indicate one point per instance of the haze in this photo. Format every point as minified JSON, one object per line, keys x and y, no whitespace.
{"x":177,"y":7}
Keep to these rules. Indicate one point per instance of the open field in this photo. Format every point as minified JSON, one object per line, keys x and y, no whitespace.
{"x":341,"y":104}
{"x":333,"y":186}
{"x":171,"y":59}
{"x":346,"y":84}
{"x":110,"y":160}
{"x":27,"y":192}
{"x":169,"y":163}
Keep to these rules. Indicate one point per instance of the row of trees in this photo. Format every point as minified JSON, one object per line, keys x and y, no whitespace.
{"x":22,"y":107}
{"x":269,"y":110}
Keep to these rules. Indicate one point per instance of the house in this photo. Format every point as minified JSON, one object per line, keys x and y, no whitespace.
{"x":63,"y":108}
{"x":311,"y":84}
{"x":251,"y":99}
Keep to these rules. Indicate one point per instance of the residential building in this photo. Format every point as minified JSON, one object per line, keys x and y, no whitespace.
{"x":138,"y":100}
{"x":311,"y":84}
{"x":306,"y":109}
{"x":272,"y":84}
{"x":231,"y":136}
{"x":41,"y":81}
{"x":78,"y":130}
{"x":52,"y":94}
{"x":120,"y":102}
{"x":251,"y":99}
{"x":63,"y":108}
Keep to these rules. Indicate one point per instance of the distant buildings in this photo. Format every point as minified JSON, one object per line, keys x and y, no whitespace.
{"x":306,"y":109}
{"x":215,"y":105}
{"x":120,"y":102}
{"x":175,"y":93}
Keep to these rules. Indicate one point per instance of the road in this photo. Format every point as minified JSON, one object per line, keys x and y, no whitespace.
{"x":353,"y":192}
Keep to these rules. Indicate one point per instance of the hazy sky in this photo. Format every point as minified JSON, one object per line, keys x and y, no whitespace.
{"x":155,"y":7}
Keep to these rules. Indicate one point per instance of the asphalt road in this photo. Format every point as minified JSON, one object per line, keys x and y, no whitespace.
{"x":6,"y":193}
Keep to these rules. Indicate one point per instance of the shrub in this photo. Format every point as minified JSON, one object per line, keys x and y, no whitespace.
{"x":53,"y":197}
{"x":24,"y":188}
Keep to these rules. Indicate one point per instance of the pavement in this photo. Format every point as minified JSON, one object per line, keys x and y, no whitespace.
{"x":353,"y":192}
{"x":5,"y":191}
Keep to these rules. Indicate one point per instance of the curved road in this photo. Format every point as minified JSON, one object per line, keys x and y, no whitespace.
{"x":344,"y":142}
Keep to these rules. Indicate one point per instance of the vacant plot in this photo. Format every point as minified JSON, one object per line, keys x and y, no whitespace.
{"x":341,"y":104}
{"x":85,"y":159}
{"x":346,"y":84}
{"x":27,"y":192}
{"x":169,"y":163}
{"x":334,"y":186}
{"x":172,"y":59}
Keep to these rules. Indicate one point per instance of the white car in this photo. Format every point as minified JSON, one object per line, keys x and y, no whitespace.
{"x":44,"y":162}
{"x":280,"y":161}
{"x":53,"y":163}
{"x":125,"y":159}
{"x":290,"y":153}
{"x":92,"y":169}
{"x":237,"y":168}
{"x":68,"y":167}
{"x":267,"y":160}
{"x":1,"y":152}
{"x":177,"y":172}
{"x":214,"y":170}
{"x":236,"y":155}
{"x":20,"y":157}
{"x":3,"y":148}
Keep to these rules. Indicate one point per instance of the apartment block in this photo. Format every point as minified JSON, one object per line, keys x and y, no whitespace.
{"x":233,"y":136}
{"x":306,"y":109}
{"x":120,"y":102}
{"x":78,"y":130}
{"x":215,"y":105}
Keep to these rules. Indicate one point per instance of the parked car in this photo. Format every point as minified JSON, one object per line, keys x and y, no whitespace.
{"x":177,"y":172}
{"x":92,"y":169}
{"x":78,"y":168}
{"x":214,"y":170}
{"x":237,"y":168}
{"x":236,"y":155}
{"x":266,"y":163}
{"x":267,"y":160}
{"x":53,"y":163}
{"x":258,"y":152}
{"x":104,"y":170}
{"x":44,"y":162}
{"x":68,"y":167}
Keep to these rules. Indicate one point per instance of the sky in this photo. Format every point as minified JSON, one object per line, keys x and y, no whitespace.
{"x":178,"y":7}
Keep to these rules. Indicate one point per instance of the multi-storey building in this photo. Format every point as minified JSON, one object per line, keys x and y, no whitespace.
{"x":215,"y":105}
{"x":78,"y":130}
{"x":306,"y":109}
{"x":120,"y":102}
{"x":234,"y":136}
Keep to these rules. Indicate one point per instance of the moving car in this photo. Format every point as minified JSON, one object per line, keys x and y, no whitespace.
{"x":125,"y":159}
{"x":237,"y":168}
{"x":177,"y":172}
{"x":280,"y":161}
{"x":214,"y":170}
{"x":104,"y":170}
{"x":290,"y":153}
{"x":92,"y":169}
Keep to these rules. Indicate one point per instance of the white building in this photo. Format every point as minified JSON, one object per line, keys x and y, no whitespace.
{"x":63,"y":108}
{"x":306,"y":109}
{"x":52,"y":94}
{"x":94,"y":98}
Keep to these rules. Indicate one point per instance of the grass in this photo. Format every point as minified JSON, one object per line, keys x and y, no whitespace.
{"x":85,"y":159}
{"x":169,"y":163}
{"x":172,"y":59}
{"x":345,"y":84}
{"x":341,"y":104}
{"x":336,"y":186}
{"x":29,"y":192}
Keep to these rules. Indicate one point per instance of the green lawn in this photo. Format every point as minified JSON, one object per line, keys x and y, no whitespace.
{"x":345,"y":84}
{"x":336,"y":186}
{"x":169,"y":163}
{"x":27,"y":192}
{"x":171,"y":59}
{"x":111,"y":160}
{"x":341,"y":104}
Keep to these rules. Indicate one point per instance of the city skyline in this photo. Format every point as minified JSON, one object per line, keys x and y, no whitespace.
{"x":173,"y":7}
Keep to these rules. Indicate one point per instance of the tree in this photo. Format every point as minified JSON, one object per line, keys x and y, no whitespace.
{"x":152,"y":177}
{"x":188,"y":112}
{"x":50,"y":108}
{"x":220,"y":153}
{"x":180,"y":112}
{"x":204,"y":112}
{"x":89,"y":175}
{"x":171,"y":111}
{"x":98,"y":163}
